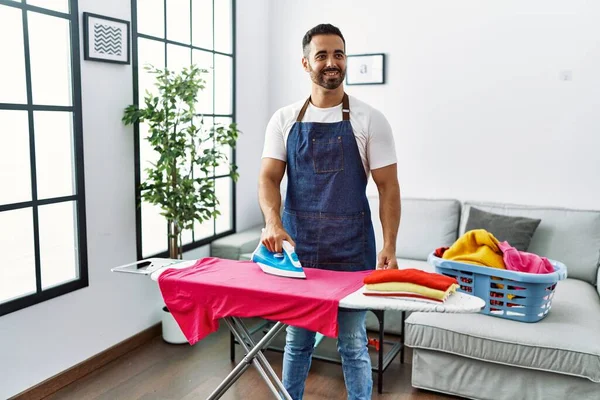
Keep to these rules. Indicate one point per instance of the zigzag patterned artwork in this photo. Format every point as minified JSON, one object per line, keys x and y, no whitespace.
{"x":107,"y":39}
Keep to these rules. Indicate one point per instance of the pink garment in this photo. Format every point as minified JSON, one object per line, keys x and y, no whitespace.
{"x":214,"y":288}
{"x":522,"y":261}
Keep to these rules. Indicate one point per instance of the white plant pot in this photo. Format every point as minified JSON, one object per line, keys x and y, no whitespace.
{"x":171,"y":332}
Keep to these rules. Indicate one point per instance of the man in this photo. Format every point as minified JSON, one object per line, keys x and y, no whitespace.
{"x":330,"y":144}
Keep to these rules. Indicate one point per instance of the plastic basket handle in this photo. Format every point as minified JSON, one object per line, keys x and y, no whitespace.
{"x":562,"y":274}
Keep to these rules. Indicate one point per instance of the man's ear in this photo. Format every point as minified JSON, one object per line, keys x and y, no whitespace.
{"x":305,"y":64}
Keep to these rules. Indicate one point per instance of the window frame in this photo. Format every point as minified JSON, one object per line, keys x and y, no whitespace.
{"x":135,"y":35}
{"x":79,"y":197}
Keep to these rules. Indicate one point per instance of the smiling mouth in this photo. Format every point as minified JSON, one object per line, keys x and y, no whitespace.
{"x":331,"y":73}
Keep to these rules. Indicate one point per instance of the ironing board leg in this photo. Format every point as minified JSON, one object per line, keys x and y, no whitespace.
{"x":231,"y":346}
{"x":262,"y":359}
{"x":240,"y":332}
{"x":380,"y":316}
{"x":403,"y":316}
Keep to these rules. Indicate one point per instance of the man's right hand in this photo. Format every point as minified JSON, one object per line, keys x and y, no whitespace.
{"x":273,"y":236}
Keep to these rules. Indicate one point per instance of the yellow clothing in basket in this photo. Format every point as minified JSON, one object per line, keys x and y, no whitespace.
{"x":478,"y":247}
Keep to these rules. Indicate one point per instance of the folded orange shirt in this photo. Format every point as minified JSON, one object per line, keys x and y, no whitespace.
{"x":412,"y":275}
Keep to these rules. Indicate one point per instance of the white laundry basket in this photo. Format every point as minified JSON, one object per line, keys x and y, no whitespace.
{"x":171,"y":332}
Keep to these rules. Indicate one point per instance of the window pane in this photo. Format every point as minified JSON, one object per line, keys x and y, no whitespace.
{"x":151,"y":17}
{"x":178,"y":57}
{"x":154,"y":230}
{"x":150,"y":52}
{"x":56,"y":5}
{"x":223,"y":84}
{"x":202,"y":24}
{"x":17,"y":269}
{"x":223,"y":190}
{"x":204,"y":60}
{"x":223,"y":168}
{"x":12,"y":69}
{"x":54,"y":153}
{"x":203,"y":230}
{"x":223,"y":26}
{"x":58,"y":243}
{"x":187,"y":237}
{"x":15,"y":172}
{"x":50,"y":51}
{"x":178,"y":21}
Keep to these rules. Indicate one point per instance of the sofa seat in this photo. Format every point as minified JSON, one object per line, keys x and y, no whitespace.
{"x":565,"y":342}
{"x":238,"y":246}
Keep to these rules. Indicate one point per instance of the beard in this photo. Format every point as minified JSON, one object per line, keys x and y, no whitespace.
{"x":328,"y":82}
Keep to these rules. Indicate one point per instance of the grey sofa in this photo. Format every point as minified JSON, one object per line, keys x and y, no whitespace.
{"x":485,"y":357}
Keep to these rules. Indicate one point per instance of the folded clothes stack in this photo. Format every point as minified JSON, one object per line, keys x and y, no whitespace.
{"x":410,"y":284}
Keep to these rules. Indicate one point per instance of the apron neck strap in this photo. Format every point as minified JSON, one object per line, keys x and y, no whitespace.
{"x":345,"y":109}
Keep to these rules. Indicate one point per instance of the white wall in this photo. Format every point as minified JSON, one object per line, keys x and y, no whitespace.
{"x":473,"y":91}
{"x":253,"y":68}
{"x":43,"y":340}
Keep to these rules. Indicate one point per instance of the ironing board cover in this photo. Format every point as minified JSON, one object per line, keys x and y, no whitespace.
{"x":214,"y":288}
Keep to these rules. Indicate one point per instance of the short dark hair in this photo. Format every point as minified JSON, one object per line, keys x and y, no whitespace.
{"x":321,"y":29}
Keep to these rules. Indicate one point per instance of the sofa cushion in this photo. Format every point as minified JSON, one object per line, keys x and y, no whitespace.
{"x":233,"y":246}
{"x":566,"y":235}
{"x":517,"y":231}
{"x":565,"y":342}
{"x":425,"y":224}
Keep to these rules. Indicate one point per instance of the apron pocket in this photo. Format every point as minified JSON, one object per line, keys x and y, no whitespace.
{"x":342,"y":238}
{"x":328,"y":155}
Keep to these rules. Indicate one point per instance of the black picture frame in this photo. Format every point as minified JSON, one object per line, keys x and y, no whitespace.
{"x":365,"y":69}
{"x":108,"y":41}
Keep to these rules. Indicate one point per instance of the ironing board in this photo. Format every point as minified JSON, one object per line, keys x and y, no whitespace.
{"x":456,"y":303}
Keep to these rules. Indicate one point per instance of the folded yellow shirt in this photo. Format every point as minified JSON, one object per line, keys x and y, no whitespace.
{"x":477,"y":247}
{"x":411,"y":288}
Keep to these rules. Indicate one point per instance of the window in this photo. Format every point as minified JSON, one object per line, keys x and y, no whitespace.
{"x":42,"y":215}
{"x":178,"y":33}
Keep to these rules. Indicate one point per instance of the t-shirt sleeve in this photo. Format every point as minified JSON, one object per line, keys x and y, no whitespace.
{"x":381,"y":148}
{"x":274,"y":146}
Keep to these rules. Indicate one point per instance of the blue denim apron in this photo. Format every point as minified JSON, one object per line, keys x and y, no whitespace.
{"x":326,"y":209}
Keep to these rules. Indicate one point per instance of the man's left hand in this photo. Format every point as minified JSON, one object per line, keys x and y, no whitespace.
{"x":387,"y":259}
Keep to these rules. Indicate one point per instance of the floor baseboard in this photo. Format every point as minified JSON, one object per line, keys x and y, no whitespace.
{"x":58,"y":381}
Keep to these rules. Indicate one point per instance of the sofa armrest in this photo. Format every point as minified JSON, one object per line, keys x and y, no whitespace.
{"x":233,"y":246}
{"x":598,"y":282}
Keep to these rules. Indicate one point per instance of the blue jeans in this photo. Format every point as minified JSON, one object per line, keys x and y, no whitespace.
{"x":352,"y":345}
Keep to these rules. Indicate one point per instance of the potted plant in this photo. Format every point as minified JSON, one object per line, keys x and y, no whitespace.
{"x":177,"y":134}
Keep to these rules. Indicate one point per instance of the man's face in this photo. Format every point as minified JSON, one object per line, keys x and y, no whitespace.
{"x":326,"y":61}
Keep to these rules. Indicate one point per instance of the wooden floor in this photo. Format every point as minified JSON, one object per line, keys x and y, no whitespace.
{"x":159,"y":370}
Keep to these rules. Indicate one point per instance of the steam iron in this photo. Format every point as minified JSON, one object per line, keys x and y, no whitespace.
{"x":281,"y":264}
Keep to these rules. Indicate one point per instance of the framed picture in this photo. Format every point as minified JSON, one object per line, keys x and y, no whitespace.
{"x":105,"y":39}
{"x":365,"y":69}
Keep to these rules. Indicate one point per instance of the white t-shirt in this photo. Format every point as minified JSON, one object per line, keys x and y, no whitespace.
{"x":371,"y":129}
